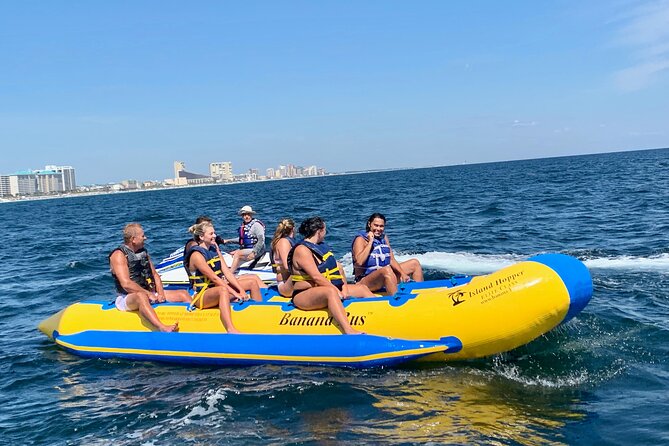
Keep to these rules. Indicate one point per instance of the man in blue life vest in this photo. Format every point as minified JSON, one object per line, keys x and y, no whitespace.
{"x":138,"y":285}
{"x":374,"y":263}
{"x":251,"y":239}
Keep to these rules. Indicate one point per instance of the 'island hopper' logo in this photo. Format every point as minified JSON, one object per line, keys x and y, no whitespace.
{"x":457,"y":297}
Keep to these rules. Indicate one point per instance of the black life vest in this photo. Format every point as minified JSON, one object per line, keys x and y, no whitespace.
{"x":139,"y":267}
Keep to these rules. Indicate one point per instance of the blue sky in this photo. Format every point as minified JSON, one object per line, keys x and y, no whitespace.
{"x":122,"y":89}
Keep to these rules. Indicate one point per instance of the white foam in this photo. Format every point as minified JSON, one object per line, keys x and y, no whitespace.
{"x":451,"y":262}
{"x":654,"y":263}
{"x":470,"y":263}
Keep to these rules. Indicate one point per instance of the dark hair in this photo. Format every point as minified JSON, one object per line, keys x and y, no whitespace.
{"x":371,"y":219}
{"x":202,"y":218}
{"x":311,"y":225}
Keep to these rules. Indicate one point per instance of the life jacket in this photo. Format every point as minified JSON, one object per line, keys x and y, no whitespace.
{"x":325,"y":259}
{"x":276,"y":265}
{"x":139,"y":267}
{"x":198,"y":281}
{"x":379,"y":256}
{"x":246,"y":240}
{"x":192,"y":242}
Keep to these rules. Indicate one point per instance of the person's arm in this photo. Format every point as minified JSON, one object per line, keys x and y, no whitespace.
{"x":304,"y":260}
{"x":395,"y":265}
{"x":259,"y":232}
{"x":120,"y":268}
{"x":283,"y":249}
{"x":158,"y":283}
{"x":233,"y":284}
{"x":362,"y":248}
{"x":344,"y":288}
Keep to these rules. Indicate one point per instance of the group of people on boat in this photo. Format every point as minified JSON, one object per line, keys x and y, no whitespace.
{"x":306,"y":270}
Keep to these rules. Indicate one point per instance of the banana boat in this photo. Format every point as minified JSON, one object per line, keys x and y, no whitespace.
{"x":445,"y":320}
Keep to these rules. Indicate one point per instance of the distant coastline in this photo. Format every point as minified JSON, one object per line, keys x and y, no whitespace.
{"x":353,"y":172}
{"x":157,"y":188}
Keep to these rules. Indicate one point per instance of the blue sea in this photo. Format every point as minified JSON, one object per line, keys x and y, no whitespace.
{"x":602,"y":378}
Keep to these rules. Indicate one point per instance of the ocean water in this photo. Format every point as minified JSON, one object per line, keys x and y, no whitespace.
{"x":603,"y":378}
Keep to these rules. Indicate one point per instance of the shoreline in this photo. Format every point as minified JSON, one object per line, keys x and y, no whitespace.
{"x":4,"y":200}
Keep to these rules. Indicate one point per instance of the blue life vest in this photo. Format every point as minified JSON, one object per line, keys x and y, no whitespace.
{"x":198,"y":281}
{"x":139,"y":267}
{"x":276,"y":266}
{"x":246,"y":240}
{"x":379,"y":256}
{"x":326,"y":262}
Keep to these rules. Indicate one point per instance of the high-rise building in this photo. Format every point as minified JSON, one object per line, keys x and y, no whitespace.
{"x":67,"y":176}
{"x":23,"y":183}
{"x":269,"y":173}
{"x":221,"y":171}
{"x":178,"y":167}
{"x":49,"y":181}
{"x":5,"y":189}
{"x":183,"y":177}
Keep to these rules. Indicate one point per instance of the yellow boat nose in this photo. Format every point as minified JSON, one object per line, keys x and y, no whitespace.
{"x":50,"y":324}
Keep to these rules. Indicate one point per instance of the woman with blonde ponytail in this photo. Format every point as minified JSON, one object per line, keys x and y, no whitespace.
{"x":206,"y":273}
{"x":282,"y":242}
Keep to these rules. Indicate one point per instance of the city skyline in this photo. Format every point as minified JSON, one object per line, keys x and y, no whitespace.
{"x":344,"y":85}
{"x":61,"y":179}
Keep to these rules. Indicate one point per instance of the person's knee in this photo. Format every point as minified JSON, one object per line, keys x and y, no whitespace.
{"x":332,"y":294}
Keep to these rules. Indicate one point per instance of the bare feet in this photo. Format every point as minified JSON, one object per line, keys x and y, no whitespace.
{"x":354,"y":332}
{"x":170,"y":328}
{"x":234,"y":331}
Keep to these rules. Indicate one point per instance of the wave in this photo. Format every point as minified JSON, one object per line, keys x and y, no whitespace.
{"x":655,"y":263}
{"x":473,"y":264}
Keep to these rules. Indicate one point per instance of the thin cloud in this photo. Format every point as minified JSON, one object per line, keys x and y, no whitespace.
{"x":518,"y":123}
{"x":645,"y":30}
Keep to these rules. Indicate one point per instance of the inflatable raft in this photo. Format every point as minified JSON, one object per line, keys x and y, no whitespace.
{"x":441,"y":320}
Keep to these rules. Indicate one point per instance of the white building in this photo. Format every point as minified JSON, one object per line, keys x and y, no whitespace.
{"x":67,"y":176}
{"x":52,"y":179}
{"x":49,"y":181}
{"x":178,"y":167}
{"x":221,"y":171}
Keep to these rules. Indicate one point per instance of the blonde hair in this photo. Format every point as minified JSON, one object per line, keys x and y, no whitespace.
{"x":198,"y":229}
{"x":282,"y":230}
{"x":130,"y":231}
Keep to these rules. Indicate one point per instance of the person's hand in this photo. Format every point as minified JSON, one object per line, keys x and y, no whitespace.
{"x":343,"y":294}
{"x":370,"y":236}
{"x":250,"y":256}
{"x":404,"y":278}
{"x":157,"y":299}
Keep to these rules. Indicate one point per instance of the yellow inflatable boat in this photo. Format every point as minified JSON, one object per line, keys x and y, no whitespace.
{"x":430,"y":321}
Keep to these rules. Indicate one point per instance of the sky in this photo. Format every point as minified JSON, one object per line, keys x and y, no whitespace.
{"x":122,"y":89}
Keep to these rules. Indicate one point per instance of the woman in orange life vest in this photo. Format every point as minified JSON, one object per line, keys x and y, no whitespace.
{"x":282,"y":242}
{"x":374,"y":263}
{"x":319,"y":280}
{"x":210,"y":277}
